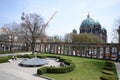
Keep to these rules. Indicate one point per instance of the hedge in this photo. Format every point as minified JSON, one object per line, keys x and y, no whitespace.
{"x":109,"y":64}
{"x":25,"y":56}
{"x":66,"y":69}
{"x":107,"y":77}
{"x":41,"y":70}
{"x":108,"y":72}
{"x":70,"y":67}
{"x":108,"y":68}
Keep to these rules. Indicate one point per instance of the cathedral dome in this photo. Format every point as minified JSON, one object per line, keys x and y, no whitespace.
{"x":97,"y":23}
{"x":74,"y":31}
{"x":88,"y":22}
{"x":104,"y":30}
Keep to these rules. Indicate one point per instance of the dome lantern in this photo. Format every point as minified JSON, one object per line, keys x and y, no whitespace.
{"x":88,"y":16}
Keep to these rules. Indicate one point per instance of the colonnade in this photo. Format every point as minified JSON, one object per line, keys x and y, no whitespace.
{"x":91,"y":50}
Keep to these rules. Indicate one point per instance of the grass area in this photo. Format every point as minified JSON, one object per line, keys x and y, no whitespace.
{"x":86,"y":69}
{"x":8,"y":52}
{"x":4,"y":59}
{"x":4,"y":52}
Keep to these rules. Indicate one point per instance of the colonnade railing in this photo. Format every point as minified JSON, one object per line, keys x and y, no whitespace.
{"x":91,"y":50}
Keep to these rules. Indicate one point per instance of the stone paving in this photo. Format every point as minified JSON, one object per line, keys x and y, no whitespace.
{"x":12,"y":71}
{"x":118,"y":69}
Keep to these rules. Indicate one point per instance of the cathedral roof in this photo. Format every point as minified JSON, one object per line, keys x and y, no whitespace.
{"x":87,"y":22}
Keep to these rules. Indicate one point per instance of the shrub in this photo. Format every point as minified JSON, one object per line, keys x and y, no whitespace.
{"x":25,"y":56}
{"x":20,"y":56}
{"x":108,"y":68}
{"x":41,"y":71}
{"x":53,"y":57}
{"x":41,"y":56}
{"x":4,"y":59}
{"x":109,"y":64}
{"x":28,"y":56}
{"x":107,"y":77}
{"x":108,"y":72}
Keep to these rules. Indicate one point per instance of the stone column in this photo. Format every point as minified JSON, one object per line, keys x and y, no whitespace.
{"x":110,"y":53}
{"x":57,"y":49}
{"x":104,"y":51}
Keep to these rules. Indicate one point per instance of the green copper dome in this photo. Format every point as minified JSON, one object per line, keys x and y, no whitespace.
{"x":97,"y":23}
{"x":104,"y":30}
{"x":74,"y":31}
{"x":88,"y":22}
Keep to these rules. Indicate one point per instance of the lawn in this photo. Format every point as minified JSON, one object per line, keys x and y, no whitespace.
{"x":86,"y":69}
{"x":8,"y":52}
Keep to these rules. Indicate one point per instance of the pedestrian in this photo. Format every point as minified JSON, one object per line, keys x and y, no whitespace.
{"x":9,"y":60}
{"x":13,"y":57}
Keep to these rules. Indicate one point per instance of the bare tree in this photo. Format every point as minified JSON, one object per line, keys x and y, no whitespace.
{"x":68,"y":37}
{"x":33,"y":29}
{"x":3,"y":35}
{"x":115,"y":36}
{"x":12,"y":33}
{"x":57,"y":38}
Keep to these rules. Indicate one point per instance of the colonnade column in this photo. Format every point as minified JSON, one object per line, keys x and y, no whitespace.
{"x":104,"y":53}
{"x":110,"y":53}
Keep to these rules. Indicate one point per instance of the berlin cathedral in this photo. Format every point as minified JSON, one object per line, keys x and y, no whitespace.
{"x":90,"y":26}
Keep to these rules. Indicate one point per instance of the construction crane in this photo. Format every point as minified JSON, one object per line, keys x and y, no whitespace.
{"x":44,"y":27}
{"x":51,"y":18}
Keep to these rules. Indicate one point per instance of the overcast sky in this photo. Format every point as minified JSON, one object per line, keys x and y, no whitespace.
{"x":70,"y":13}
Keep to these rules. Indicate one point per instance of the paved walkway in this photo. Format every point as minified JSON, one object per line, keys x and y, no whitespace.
{"x":118,"y":69}
{"x":11,"y":71}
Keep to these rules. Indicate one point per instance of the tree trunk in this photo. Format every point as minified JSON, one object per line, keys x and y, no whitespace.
{"x":27,"y":46}
{"x":33,"y":47}
{"x":11,"y":45}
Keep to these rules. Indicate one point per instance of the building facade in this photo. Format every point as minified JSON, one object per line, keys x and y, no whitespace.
{"x":90,"y":26}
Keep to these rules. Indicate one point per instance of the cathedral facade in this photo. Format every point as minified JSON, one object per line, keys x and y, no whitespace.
{"x":90,"y":26}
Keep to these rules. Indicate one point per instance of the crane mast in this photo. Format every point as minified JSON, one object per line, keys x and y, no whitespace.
{"x":44,"y":27}
{"x":51,"y":18}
